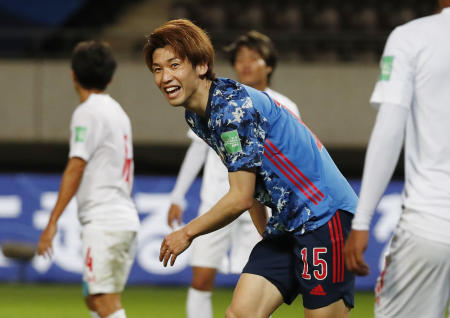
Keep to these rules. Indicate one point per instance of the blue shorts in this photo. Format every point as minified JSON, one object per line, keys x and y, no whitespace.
{"x":311,"y":264}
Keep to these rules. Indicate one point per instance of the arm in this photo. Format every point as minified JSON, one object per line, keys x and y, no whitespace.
{"x":192,"y":163}
{"x":258,"y":213}
{"x":69,"y":185}
{"x":238,"y":199}
{"x":381,"y":158}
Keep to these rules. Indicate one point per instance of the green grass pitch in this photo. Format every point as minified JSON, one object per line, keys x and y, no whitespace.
{"x":65,"y":301}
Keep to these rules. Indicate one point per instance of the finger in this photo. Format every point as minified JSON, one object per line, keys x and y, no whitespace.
{"x":42,"y":249}
{"x":357,"y":267}
{"x":170,"y":221}
{"x":174,"y":257}
{"x":179,"y":219}
{"x":363,"y":269}
{"x":44,"y":253}
{"x":166,"y":258}
{"x":350,"y":261}
{"x":162,"y":250}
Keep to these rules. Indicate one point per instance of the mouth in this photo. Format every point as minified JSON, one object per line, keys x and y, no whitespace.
{"x":172,"y":91}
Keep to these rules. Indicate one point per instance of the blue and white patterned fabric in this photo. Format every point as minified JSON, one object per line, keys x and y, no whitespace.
{"x":295,"y":175}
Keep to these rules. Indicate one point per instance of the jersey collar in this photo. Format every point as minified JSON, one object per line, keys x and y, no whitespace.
{"x":210,"y":96}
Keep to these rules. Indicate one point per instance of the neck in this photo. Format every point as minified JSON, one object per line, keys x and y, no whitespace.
{"x":85,"y":93}
{"x":261,"y":86}
{"x":199,"y":100}
{"x":444,"y":4}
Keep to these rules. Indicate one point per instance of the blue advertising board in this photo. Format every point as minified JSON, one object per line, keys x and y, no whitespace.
{"x":27,"y":199}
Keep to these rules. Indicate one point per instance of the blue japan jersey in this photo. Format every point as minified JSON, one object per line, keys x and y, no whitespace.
{"x":295,"y":176}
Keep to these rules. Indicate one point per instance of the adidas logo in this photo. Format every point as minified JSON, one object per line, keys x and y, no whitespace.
{"x":318,"y":290}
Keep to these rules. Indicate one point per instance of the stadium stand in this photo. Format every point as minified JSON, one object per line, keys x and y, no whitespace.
{"x":306,"y":31}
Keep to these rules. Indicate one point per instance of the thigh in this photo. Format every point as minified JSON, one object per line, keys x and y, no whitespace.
{"x":416,"y":279}
{"x":108,"y":257}
{"x":273,"y":259}
{"x":320,"y":268}
{"x":209,"y":250}
{"x":254,"y":297}
{"x":244,"y":237}
{"x":338,"y":309}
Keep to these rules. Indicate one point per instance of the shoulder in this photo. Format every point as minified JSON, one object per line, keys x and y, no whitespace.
{"x":83,"y":111}
{"x":410,"y":32}
{"x":94,"y":107}
{"x":228,"y":91}
{"x":229,"y":99}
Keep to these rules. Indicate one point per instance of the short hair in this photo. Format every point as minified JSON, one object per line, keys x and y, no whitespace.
{"x":256,"y":41}
{"x":93,"y":64}
{"x":186,"y":39}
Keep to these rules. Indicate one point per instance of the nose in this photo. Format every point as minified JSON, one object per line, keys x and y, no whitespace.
{"x":244,"y":64}
{"x":166,"y":75}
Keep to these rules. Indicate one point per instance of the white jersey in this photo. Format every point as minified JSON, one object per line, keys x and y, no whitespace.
{"x":101,"y":135}
{"x":415,"y":74}
{"x":215,"y":175}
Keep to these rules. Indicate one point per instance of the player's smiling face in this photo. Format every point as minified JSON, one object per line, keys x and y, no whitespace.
{"x":251,"y":69}
{"x":175,"y":77}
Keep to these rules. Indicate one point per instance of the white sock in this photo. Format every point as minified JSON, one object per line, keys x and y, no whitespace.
{"x":118,"y":314}
{"x":94,"y":314}
{"x":199,"y":304}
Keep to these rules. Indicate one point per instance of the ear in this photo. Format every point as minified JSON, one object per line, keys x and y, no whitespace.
{"x":201,"y":69}
{"x":269,"y":69}
{"x":74,"y":77}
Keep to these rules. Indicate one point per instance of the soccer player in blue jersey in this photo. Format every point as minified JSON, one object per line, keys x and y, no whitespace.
{"x":273,"y":160}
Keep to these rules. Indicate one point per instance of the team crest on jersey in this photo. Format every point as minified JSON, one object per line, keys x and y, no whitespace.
{"x":386,"y":68}
{"x":231,"y":141}
{"x":80,"y":134}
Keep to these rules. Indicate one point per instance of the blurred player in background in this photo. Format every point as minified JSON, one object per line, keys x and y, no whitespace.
{"x":272,"y":159}
{"x":100,"y":173}
{"x":253,"y":57}
{"x":413,"y":94}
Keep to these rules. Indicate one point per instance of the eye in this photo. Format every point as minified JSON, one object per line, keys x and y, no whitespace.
{"x":174,"y":65}
{"x":156,"y":69}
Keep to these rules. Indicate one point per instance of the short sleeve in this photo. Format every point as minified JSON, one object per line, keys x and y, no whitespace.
{"x":396,"y":81}
{"x":84,"y":134}
{"x":242,"y":136}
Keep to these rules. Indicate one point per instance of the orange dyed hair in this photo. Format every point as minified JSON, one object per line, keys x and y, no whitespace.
{"x":187,"y":41}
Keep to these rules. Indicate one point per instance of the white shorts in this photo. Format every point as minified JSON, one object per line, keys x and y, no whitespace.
{"x":416,"y":279}
{"x":211,"y":250}
{"x":107,"y":259}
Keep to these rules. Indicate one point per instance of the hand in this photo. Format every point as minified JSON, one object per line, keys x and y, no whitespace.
{"x":175,"y":213}
{"x":45,"y":243}
{"x":353,"y":252}
{"x":173,"y":245}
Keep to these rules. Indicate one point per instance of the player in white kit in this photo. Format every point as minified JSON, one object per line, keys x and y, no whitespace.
{"x":254,"y":59}
{"x":100,"y":173}
{"x":413,"y":96}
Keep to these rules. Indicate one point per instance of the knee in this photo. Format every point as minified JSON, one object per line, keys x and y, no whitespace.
{"x":236,"y":312}
{"x":203,"y":283}
{"x":90,"y":303}
{"x":106,"y":304}
{"x":230,"y":313}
